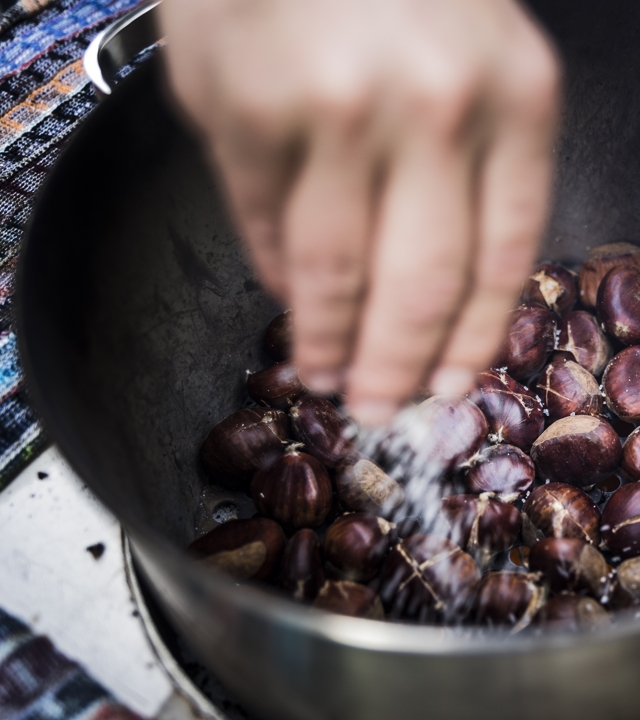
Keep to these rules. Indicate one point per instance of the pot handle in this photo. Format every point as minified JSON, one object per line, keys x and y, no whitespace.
{"x":118,"y":44}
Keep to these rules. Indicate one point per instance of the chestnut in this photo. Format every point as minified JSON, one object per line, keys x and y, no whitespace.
{"x":569,"y":564}
{"x":295,"y":490}
{"x":580,"y":335}
{"x":552,"y":286}
{"x":531,"y":337}
{"x":502,"y":470}
{"x":245,"y":549}
{"x":326,"y":433}
{"x":621,"y":384}
{"x":514,"y":414}
{"x":349,"y":598}
{"x":278,"y":386}
{"x":355,"y":544}
{"x":363,"y":485}
{"x":428,"y":577}
{"x":278,"y":339}
{"x":620,"y":524}
{"x":566,"y":388}
{"x":560,"y":510}
{"x":580,"y":450}
{"x":626,"y":586}
{"x":242,"y":443}
{"x":618,"y":304}
{"x":598,"y":263}
{"x":630,"y":465}
{"x":507,"y":598}
{"x":572,"y":613}
{"x":301,"y":572}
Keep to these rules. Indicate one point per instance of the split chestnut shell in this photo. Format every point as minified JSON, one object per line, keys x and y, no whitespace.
{"x":598,"y":263}
{"x":502,"y":470}
{"x":621,"y":383}
{"x":572,"y":613}
{"x":508,"y":599}
{"x":324,"y":431}
{"x":566,"y":388}
{"x":580,"y":335}
{"x":620,"y":526}
{"x":618,"y":304}
{"x":349,"y":598}
{"x":362,"y":485}
{"x":552,"y":286}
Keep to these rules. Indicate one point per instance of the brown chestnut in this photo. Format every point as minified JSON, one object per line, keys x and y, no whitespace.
{"x":560,"y":510}
{"x":618,"y":305}
{"x":355,"y":544}
{"x":598,"y":263}
{"x":295,"y":490}
{"x":552,"y":286}
{"x":278,"y":386}
{"x":621,"y":384}
{"x":566,"y":388}
{"x":507,"y":598}
{"x":349,"y":598}
{"x":620,"y":524}
{"x":626,"y":585}
{"x":278,"y":339}
{"x":569,"y":564}
{"x":245,"y":549}
{"x":531,"y":337}
{"x":514,"y":414}
{"x":502,"y":470}
{"x":363,"y":485}
{"x":630,"y":465}
{"x":572,"y":613}
{"x":326,"y":433}
{"x":301,"y":572}
{"x":428,"y":577}
{"x":580,"y":450}
{"x":580,"y":335}
{"x":242,"y":443}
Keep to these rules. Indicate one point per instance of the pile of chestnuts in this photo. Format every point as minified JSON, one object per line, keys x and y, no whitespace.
{"x":537,"y":517}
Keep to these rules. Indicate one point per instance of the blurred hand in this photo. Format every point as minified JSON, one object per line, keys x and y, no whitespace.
{"x":388,"y":163}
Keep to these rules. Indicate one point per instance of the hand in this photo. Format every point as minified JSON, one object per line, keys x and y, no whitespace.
{"x":388,"y":163}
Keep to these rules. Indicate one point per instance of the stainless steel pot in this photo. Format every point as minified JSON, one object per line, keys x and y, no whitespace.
{"x":138,"y":317}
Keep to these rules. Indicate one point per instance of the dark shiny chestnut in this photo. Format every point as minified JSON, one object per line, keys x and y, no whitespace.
{"x":326,"y":434}
{"x":301,"y":572}
{"x":242,"y":443}
{"x":630,"y":465}
{"x":514,"y":414}
{"x":572,"y":613}
{"x":580,"y":335}
{"x":626,"y":585}
{"x":349,"y":598}
{"x":428,"y":577}
{"x":531,"y":337}
{"x":502,"y":470}
{"x":618,"y":304}
{"x":278,"y":339}
{"x":245,"y":549}
{"x":278,"y":386}
{"x":621,"y":384}
{"x":355,"y":544}
{"x":580,"y":450}
{"x":566,"y":388}
{"x":295,"y":490}
{"x":552,"y":286}
{"x":362,"y":485}
{"x":620,"y":524}
{"x":598,"y":263}
{"x":560,"y":510}
{"x":508,"y":599}
{"x":570,"y":565}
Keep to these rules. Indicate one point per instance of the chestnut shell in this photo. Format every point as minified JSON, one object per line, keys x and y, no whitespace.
{"x":301,"y":572}
{"x":551,"y":286}
{"x":566,"y":388}
{"x":278,"y":386}
{"x":508,"y":599}
{"x":580,"y":335}
{"x":598,"y":263}
{"x":278,"y":338}
{"x":503,"y":470}
{"x":324,"y":431}
{"x":618,"y":304}
{"x":361,"y":485}
{"x":349,"y":598}
{"x":572,"y":613}
{"x":621,"y":384}
{"x":620,"y":524}
{"x":630,"y":465}
{"x":626,"y":586}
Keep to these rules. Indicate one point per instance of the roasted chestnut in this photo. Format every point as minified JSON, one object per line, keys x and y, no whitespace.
{"x":242,"y":443}
{"x":502,"y":470}
{"x":579,"y":334}
{"x":245,"y":549}
{"x":530,"y":339}
{"x":579,"y":450}
{"x":566,"y":388}
{"x":618,"y":304}
{"x":621,"y":384}
{"x":560,"y":510}
{"x":630,"y":465}
{"x":514,"y":414}
{"x":295,"y":490}
{"x":349,"y":598}
{"x":572,"y":613}
{"x":301,"y":572}
{"x":355,"y":544}
{"x":278,"y":386}
{"x":626,"y":586}
{"x":428,"y":577}
{"x":278,"y":339}
{"x":508,"y":599}
{"x":326,"y":433}
{"x":620,"y":524}
{"x":363,"y":485}
{"x":569,"y":564}
{"x":598,"y":263}
{"x":552,"y":286}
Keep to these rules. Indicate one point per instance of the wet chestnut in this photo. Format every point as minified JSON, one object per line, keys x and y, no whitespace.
{"x":508,"y":599}
{"x":295,"y":490}
{"x":355,"y":544}
{"x":560,"y":510}
{"x":301,"y":572}
{"x":618,"y":304}
{"x":598,"y":263}
{"x":566,"y":388}
{"x":572,"y":613}
{"x":278,"y":339}
{"x":620,"y":524}
{"x":569,"y":564}
{"x":626,"y":586}
{"x":580,"y":335}
{"x":621,"y":384}
{"x":326,"y":434}
{"x":245,"y":549}
{"x":278,"y":386}
{"x":363,"y":485}
{"x":552,"y":286}
{"x":630,"y":465}
{"x":242,"y":443}
{"x":530,"y":339}
{"x":349,"y":598}
{"x":502,"y":470}
{"x":580,"y":450}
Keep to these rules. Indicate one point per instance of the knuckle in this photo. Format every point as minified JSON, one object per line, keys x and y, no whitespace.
{"x":534,"y":83}
{"x":348,"y":109}
{"x":422,"y":305}
{"x":331,"y":277}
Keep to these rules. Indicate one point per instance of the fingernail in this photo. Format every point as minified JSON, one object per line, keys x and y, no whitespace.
{"x":452,"y":381}
{"x":374,"y":413}
{"x":324,"y":383}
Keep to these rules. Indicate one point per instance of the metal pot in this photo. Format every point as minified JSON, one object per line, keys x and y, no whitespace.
{"x":138,"y":317}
